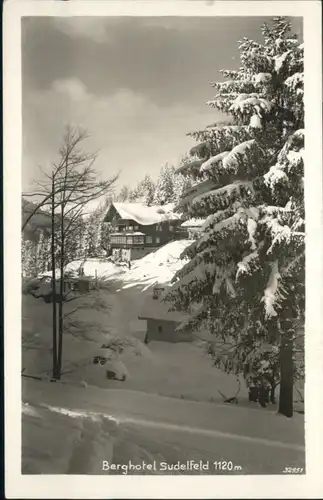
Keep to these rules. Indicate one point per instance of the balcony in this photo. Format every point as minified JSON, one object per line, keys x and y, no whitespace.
{"x":126,"y":240}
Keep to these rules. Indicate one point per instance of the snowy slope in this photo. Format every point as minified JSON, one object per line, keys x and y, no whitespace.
{"x":159,"y":266}
{"x":125,"y":425}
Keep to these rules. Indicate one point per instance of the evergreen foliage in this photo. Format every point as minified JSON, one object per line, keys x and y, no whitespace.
{"x":244,"y":280}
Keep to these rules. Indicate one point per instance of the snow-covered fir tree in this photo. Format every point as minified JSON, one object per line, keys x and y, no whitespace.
{"x":181,"y":184}
{"x":143,"y":192}
{"x":42,"y":252}
{"x":94,"y":240}
{"x":124,"y":195}
{"x":28,"y":269}
{"x":244,"y":280}
{"x":164,"y":192}
{"x":35,"y":254}
{"x":168,"y":188}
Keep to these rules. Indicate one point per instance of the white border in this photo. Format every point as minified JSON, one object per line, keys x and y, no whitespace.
{"x":19,"y":486}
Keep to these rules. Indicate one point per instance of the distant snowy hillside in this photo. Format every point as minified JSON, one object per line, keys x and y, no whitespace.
{"x":159,"y":266}
{"x":40,"y":221}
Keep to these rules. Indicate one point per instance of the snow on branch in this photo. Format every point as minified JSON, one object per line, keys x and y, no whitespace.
{"x":243,"y":158}
{"x":274,"y":292}
{"x":281,"y":60}
{"x":279,"y":233}
{"x":223,"y":138}
{"x":262,"y":78}
{"x":295,"y":158}
{"x":295,"y":82}
{"x":252,"y":228}
{"x":252,"y":102}
{"x":190,"y":167}
{"x":219,"y":216}
{"x":274,"y":176}
{"x":228,"y":225}
{"x":200,"y":273}
{"x":237,"y":86}
{"x":213,"y":161}
{"x":297,"y":262}
{"x":245,"y":265}
{"x":201,"y":150}
{"x":222,"y":198}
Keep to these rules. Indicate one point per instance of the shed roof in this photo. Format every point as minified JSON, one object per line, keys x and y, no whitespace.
{"x":193,"y":223}
{"x":160,"y":310}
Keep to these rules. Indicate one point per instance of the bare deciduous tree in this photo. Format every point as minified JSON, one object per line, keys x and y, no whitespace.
{"x":66,"y":191}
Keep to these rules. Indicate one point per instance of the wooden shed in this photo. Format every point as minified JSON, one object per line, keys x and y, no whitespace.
{"x":161,"y":322}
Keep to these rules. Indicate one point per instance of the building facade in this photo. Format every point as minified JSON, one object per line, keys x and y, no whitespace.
{"x":139,"y":229}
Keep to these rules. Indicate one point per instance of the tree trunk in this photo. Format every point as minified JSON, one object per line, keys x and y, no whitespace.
{"x":53,"y":263}
{"x":286,"y":375}
{"x":61,"y":296}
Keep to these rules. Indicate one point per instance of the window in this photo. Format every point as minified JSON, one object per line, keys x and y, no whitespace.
{"x":149,"y":239}
{"x":159,"y":228}
{"x":136,"y":228}
{"x":118,"y":239}
{"x":171,"y":228}
{"x":157,"y":239}
{"x":160,"y":329}
{"x":138,"y":239}
{"x":157,"y":292}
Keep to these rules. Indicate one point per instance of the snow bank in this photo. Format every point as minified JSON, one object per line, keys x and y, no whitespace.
{"x":102,"y":268}
{"x":159,"y":266}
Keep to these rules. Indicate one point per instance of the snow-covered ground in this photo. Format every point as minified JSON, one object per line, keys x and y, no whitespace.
{"x":180,"y":370}
{"x":168,"y":408}
{"x":159,"y":266}
{"x":64,"y":441}
{"x":76,"y":428}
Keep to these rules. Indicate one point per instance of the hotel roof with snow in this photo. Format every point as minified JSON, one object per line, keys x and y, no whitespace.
{"x":143,"y":214}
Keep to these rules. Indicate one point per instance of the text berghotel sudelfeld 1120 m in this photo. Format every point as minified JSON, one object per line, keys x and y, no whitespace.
{"x":189,"y":466}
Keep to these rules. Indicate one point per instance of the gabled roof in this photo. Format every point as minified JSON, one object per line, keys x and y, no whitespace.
{"x":144,"y":215}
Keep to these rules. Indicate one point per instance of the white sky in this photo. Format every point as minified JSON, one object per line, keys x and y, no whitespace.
{"x":138,"y":85}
